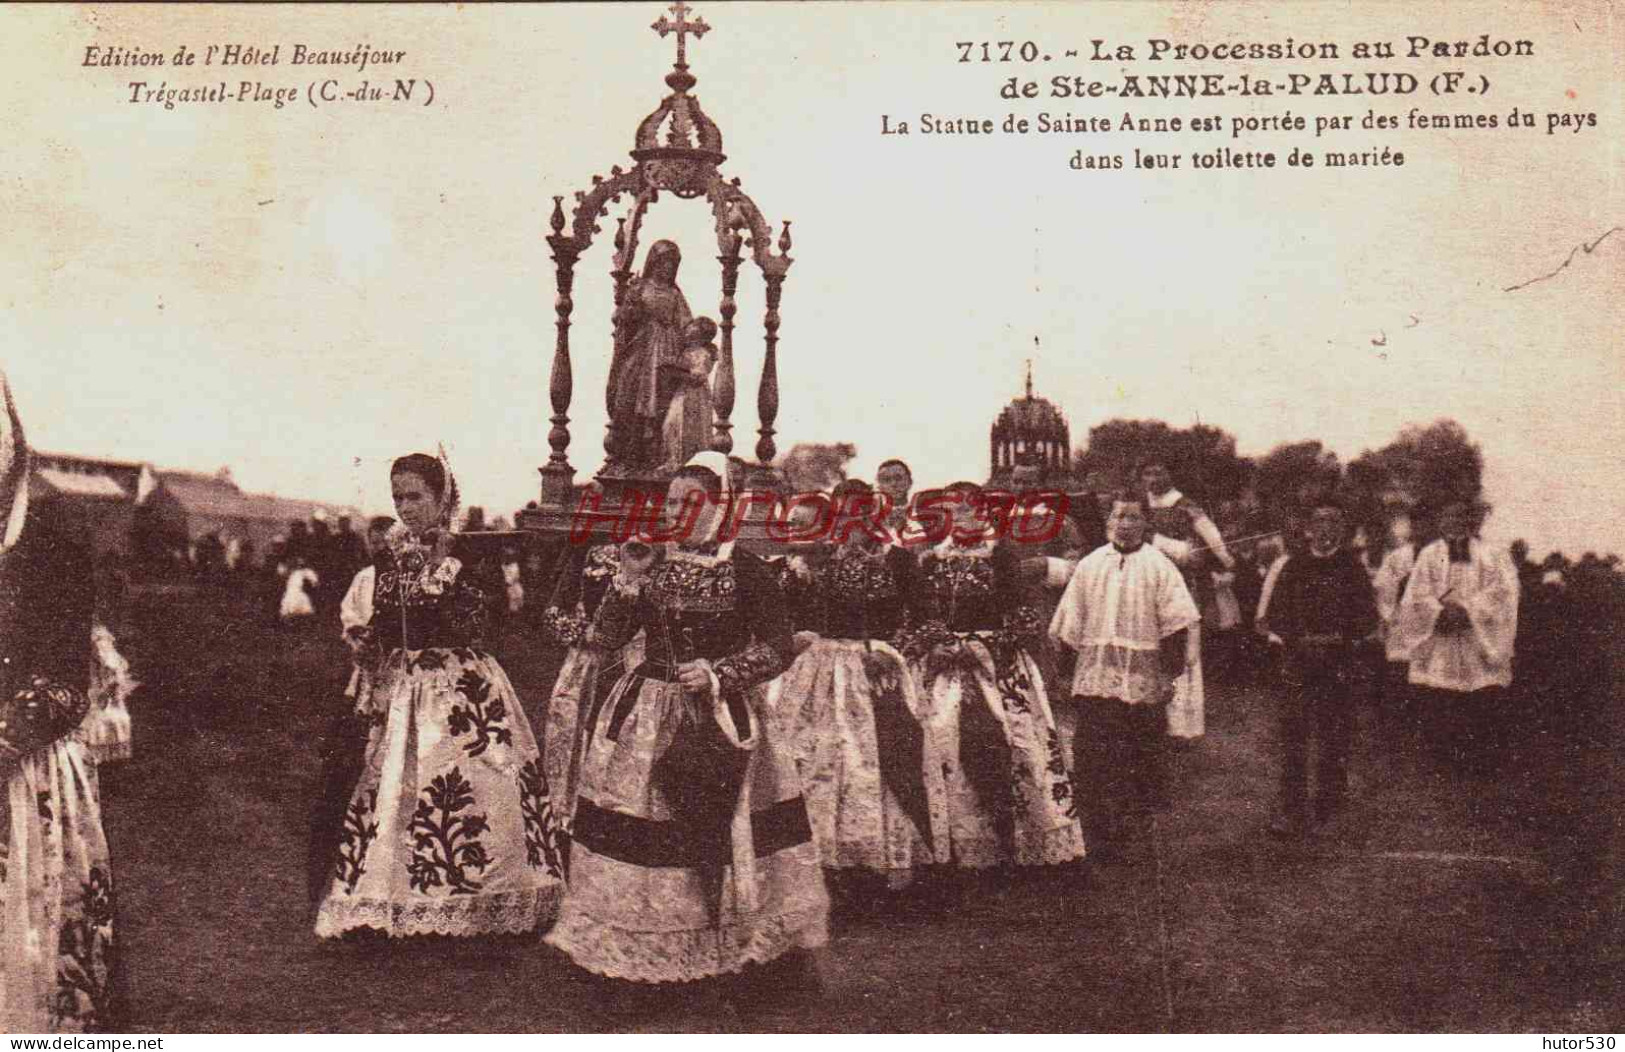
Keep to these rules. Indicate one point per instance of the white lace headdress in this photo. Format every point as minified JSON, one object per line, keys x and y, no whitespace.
{"x":453,"y":501}
{"x":717,"y":464}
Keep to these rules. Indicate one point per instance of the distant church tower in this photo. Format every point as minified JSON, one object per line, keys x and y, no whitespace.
{"x":1031,"y":430}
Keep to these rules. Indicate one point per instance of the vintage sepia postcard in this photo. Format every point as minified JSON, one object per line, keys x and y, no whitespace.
{"x":919,"y":517}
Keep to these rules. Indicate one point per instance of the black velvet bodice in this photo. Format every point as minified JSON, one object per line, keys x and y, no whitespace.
{"x":422,"y":602}
{"x":859,"y":595}
{"x":969,"y":591}
{"x":47,"y":601}
{"x":728,"y":612}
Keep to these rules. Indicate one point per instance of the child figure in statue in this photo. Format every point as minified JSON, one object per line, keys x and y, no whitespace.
{"x":687,"y":426}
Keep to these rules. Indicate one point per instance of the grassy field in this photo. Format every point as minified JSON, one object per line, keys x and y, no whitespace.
{"x":1455,"y":904}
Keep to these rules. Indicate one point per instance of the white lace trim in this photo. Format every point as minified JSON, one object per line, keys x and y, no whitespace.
{"x":109,"y":753}
{"x":876,"y":853}
{"x":686,"y":956}
{"x":1053,"y":847}
{"x":508,"y":912}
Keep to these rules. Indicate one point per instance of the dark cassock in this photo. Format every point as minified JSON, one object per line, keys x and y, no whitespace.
{"x":1321,"y":608}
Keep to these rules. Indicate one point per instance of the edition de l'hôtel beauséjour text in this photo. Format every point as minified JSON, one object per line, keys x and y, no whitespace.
{"x":357,"y":56}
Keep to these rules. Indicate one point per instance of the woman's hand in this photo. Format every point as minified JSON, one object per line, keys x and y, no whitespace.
{"x":695,"y":677}
{"x":1032,"y":571}
{"x":802,"y":640}
{"x":1453,"y":618}
{"x":636,"y":558}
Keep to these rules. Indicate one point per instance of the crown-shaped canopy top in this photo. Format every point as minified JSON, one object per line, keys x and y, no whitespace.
{"x":679,"y":128}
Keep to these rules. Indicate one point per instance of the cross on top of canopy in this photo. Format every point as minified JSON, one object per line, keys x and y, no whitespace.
{"x":689,"y":132}
{"x":677,"y":149}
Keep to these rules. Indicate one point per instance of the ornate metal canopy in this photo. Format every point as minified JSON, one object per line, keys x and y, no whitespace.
{"x":677,"y":150}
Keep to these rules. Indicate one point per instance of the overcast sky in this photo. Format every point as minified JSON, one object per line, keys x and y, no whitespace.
{"x":303,"y":293}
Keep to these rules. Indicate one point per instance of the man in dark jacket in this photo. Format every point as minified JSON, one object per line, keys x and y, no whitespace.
{"x":1322,"y":607}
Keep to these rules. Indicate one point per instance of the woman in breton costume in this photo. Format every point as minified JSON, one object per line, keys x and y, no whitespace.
{"x":450,"y":830}
{"x":56,"y":912}
{"x":691,"y":855}
{"x":583,"y":579}
{"x":1010,"y":797}
{"x":873,"y":780}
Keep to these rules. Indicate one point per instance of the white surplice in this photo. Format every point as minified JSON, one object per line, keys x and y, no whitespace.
{"x":1389,"y":585}
{"x":1486,"y":586}
{"x":1115,"y":612}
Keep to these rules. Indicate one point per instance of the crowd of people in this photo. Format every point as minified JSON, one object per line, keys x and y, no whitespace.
{"x":299,"y":578}
{"x":733,"y":739}
{"x":735,"y":742}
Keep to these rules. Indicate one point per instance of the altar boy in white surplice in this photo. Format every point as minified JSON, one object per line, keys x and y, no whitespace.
{"x":1126,"y":611}
{"x":1458,"y":623}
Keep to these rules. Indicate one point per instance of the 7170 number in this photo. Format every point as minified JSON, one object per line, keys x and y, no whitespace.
{"x":998,"y":51}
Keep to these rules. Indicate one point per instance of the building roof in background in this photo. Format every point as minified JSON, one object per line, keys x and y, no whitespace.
{"x":93,"y":462}
{"x":75,"y":484}
{"x":214,"y":494}
{"x":135,"y":478}
{"x":217,"y":496}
